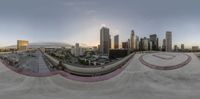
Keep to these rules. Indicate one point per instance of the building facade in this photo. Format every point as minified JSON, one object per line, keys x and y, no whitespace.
{"x":22,"y":45}
{"x":168,"y":41}
{"x":125,"y":45}
{"x":105,"y":41}
{"x":133,"y":40}
{"x":154,"y":41}
{"x":164,"y":45}
{"x":77,"y":50}
{"x":116,"y":42}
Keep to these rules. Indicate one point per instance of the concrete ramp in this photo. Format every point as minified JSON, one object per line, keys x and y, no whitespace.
{"x":135,"y":82}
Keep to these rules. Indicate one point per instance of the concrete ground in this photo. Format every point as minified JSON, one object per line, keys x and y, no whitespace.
{"x":137,"y":81}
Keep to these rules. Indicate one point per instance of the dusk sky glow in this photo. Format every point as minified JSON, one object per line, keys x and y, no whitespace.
{"x":72,"y":21}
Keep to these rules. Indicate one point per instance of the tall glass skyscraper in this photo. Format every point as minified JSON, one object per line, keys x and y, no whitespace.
{"x":105,"y":41}
{"x":116,"y":42}
{"x":168,"y":41}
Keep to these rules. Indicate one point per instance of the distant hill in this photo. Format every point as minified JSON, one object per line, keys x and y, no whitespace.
{"x":45,"y":45}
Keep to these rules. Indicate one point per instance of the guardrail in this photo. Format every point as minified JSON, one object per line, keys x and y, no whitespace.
{"x":91,"y":70}
{"x":92,"y":74}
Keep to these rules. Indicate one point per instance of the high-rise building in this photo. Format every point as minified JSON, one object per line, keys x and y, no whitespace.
{"x":154,"y":40}
{"x":73,"y":50}
{"x":133,"y":40}
{"x":77,"y":50}
{"x":164,"y":45}
{"x":116,"y":42}
{"x":137,"y":42}
{"x":129,"y":44}
{"x":150,"y":45}
{"x":125,"y":45}
{"x":168,"y":41}
{"x":144,"y":44}
{"x":110,"y":42}
{"x":105,"y":41}
{"x":22,"y":45}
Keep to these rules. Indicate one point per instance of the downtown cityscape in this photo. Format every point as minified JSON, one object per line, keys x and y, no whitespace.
{"x":108,"y":49}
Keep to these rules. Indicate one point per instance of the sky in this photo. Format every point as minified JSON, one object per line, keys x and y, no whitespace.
{"x":72,"y":21}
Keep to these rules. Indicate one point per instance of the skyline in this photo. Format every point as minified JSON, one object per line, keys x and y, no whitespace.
{"x":69,"y":21}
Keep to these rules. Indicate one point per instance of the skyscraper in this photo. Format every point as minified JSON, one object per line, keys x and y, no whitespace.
{"x":154,"y":40}
{"x":164,"y":45}
{"x":77,"y":50}
{"x":168,"y":41}
{"x":137,"y":42}
{"x":133,"y":40}
{"x":129,"y":44}
{"x":144,"y":44}
{"x":116,"y":42}
{"x":105,"y":41}
{"x":125,"y":45}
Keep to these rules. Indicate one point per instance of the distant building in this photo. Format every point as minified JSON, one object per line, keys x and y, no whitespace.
{"x":150,"y":47}
{"x":182,"y":47}
{"x":168,"y":41}
{"x":195,"y":48}
{"x":154,"y":41}
{"x":129,"y":44}
{"x":137,"y":43}
{"x":22,"y":45}
{"x":82,"y":51}
{"x":77,"y":50}
{"x":116,"y":42}
{"x":125,"y":45}
{"x":118,"y":53}
{"x":98,"y":48}
{"x":95,"y":48}
{"x":176,"y":48}
{"x":144,"y":44}
{"x":164,"y":45}
{"x":133,"y":40}
{"x":105,"y":41}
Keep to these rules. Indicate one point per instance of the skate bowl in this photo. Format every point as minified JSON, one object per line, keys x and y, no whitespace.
{"x":165,"y":61}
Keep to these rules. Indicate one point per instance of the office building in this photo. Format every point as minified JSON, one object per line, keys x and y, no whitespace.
{"x":137,"y":42}
{"x":164,"y":45}
{"x":133,"y":40}
{"x":77,"y":50}
{"x":105,"y":41}
{"x":116,"y":42}
{"x":168,"y":41}
{"x":129,"y":44}
{"x":154,"y":41}
{"x":125,"y":45}
{"x":195,"y":48}
{"x":22,"y":45}
{"x":144,"y":44}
